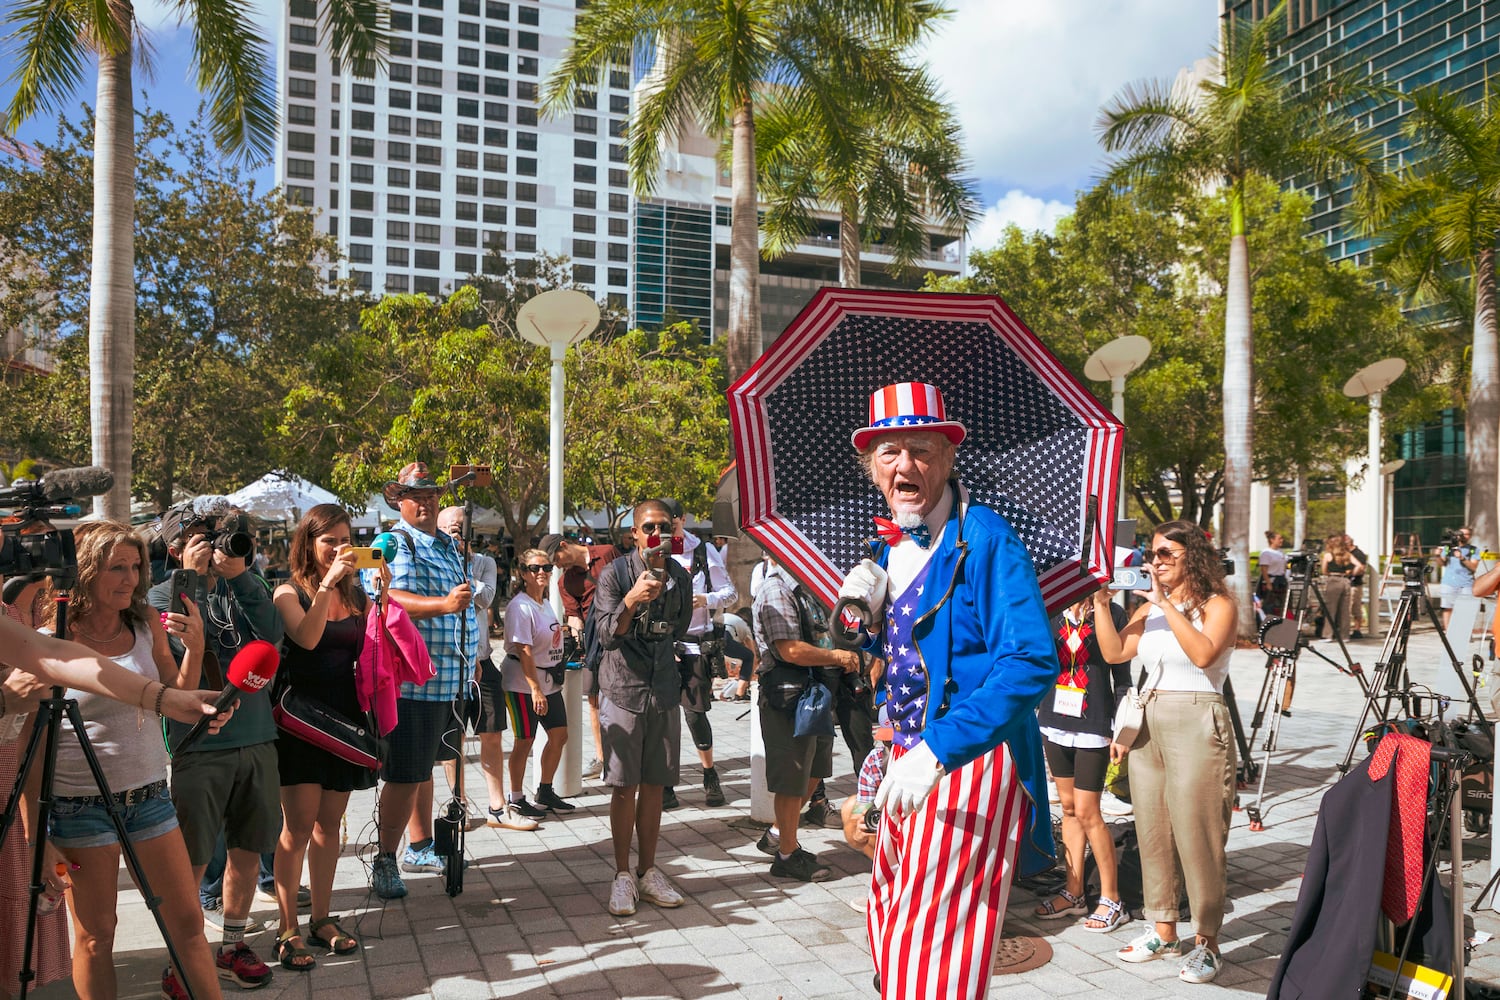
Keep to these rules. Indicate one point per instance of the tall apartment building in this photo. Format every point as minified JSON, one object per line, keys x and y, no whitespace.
{"x":422,"y":165}
{"x":1406,"y":44}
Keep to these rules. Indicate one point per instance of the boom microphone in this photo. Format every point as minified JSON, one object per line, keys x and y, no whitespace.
{"x":251,"y":670}
{"x":60,"y":484}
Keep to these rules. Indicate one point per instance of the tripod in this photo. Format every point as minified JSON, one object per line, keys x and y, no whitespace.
{"x":1392,"y":683}
{"x":56,"y":707}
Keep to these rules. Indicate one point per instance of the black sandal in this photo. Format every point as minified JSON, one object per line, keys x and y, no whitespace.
{"x":340,"y":942}
{"x":289,"y":954}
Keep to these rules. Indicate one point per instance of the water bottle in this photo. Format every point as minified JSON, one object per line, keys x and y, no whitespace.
{"x":50,"y":898}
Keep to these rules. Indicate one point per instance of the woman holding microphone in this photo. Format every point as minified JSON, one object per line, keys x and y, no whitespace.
{"x":1182,"y":765}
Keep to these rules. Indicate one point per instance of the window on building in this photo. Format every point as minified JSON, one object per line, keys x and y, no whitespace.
{"x":399,"y":151}
{"x":496,"y":163}
{"x":465,"y":263}
{"x":468,"y":57}
{"x":362,"y":173}
{"x":427,"y":260}
{"x":362,"y":93}
{"x":583,"y":198}
{"x":587,"y":124}
{"x":528,"y":15}
{"x":586,"y":99}
{"x":527,"y":66}
{"x":525,"y":267}
{"x":466,"y":185}
{"x":585,"y":173}
{"x":496,"y":36}
{"x":619,"y":79}
{"x":468,"y":31}
{"x":398,"y":230}
{"x":494,"y":111}
{"x":302,"y":62}
{"x":298,"y":86}
{"x":430,"y":104}
{"x":397,"y":177}
{"x":525,"y":191}
{"x":619,"y":179}
{"x":300,"y":169}
{"x":364,"y":121}
{"x":400,"y":72}
{"x":526,"y":140}
{"x":497,"y":61}
{"x":468,"y":83}
{"x":526,"y":116}
{"x":429,"y":128}
{"x":619,"y":104}
{"x":362,"y":145}
{"x":430,"y":51}
{"x":333,"y":225}
{"x":400,"y":20}
{"x":424,"y":232}
{"x":333,"y":168}
{"x":429,"y":180}
{"x":297,"y":194}
{"x":526,"y":166}
{"x":396,"y":204}
{"x":585,"y":248}
{"x":399,"y":98}
{"x":427,"y":76}
{"x":526,"y":90}
{"x":424,"y":285}
{"x":333,"y":197}
{"x":466,"y":237}
{"x":395,"y":284}
{"x":526,"y":217}
{"x":333,"y":119}
{"x":468,"y":133}
{"x":526,"y":242}
{"x":585,"y":148}
{"x":496,"y":86}
{"x":398,"y":125}
{"x":619,"y":276}
{"x":301,"y":142}
{"x":431,"y":4}
{"x":496,"y":137}
{"x":585,"y":223}
{"x":616,"y":153}
{"x":466,"y":159}
{"x":468,"y":8}
{"x":333,"y":146}
{"x":431,"y":156}
{"x":498,"y":11}
{"x":467,"y":210}
{"x":494,"y":214}
{"x":584,"y":273}
{"x":363,"y":280}
{"x":495,"y":187}
{"x":301,"y":114}
{"x":468,"y":108}
{"x":428,"y":25}
{"x":494,"y":240}
{"x":617,"y":128}
{"x":430,"y":208}
{"x":619,"y":202}
{"x":304,"y":34}
{"x":397,"y":256}
{"x":619,"y":252}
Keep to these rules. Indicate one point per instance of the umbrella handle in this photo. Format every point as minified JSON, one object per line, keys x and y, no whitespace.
{"x":845,"y":636}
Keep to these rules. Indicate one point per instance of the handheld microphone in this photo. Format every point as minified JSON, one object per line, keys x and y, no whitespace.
{"x":387,"y":544}
{"x":251,"y":670}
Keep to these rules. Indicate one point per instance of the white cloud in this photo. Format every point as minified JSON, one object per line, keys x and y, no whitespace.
{"x":1016,"y":208}
{"x":1028,"y":77}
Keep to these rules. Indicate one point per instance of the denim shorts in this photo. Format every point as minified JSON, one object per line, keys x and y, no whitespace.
{"x":83,"y":822}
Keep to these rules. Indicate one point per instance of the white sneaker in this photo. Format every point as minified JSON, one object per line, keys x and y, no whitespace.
{"x":510,"y":818}
{"x":1112,"y":805}
{"x":623,"y":894}
{"x":1200,"y":966}
{"x":656,"y":889}
{"x":1052,"y":793}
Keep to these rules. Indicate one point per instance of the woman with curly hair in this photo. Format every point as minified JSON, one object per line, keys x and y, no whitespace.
{"x":110,"y":616}
{"x":1182,"y":765}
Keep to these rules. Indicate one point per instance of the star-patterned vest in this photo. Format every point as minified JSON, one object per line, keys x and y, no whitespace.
{"x":905,"y":674}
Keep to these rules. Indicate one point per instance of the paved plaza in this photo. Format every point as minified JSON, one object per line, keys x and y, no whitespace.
{"x":532,"y":921}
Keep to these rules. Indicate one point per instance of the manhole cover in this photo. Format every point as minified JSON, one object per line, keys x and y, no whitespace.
{"x":1021,"y":953}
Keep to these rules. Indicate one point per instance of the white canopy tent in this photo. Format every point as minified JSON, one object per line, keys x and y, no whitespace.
{"x":280,"y":496}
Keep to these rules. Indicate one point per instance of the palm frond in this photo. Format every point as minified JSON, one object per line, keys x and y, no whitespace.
{"x":233,"y":72}
{"x":49,"y":57}
{"x":355,"y":30}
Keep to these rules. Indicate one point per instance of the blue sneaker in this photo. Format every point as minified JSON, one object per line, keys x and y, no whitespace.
{"x":385,"y":879}
{"x":424,"y":860}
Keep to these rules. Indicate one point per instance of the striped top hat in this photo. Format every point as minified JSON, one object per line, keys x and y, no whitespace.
{"x":908,"y":406}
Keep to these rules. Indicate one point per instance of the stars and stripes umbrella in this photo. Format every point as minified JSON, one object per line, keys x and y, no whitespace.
{"x":1041,"y":450}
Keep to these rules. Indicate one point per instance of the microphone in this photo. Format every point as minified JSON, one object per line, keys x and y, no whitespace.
{"x":58,"y":485}
{"x":387,"y":544}
{"x":251,"y":670}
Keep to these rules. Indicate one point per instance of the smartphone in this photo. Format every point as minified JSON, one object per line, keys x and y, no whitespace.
{"x":368,"y":557}
{"x":483,"y":474}
{"x":184,"y":584}
{"x":1130,"y":578}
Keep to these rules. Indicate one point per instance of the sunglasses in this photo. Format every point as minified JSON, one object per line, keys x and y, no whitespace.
{"x":656,"y":527}
{"x":539,"y":568}
{"x":1163,"y":554}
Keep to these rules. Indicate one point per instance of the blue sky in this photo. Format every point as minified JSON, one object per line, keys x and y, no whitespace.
{"x":1027,"y":78}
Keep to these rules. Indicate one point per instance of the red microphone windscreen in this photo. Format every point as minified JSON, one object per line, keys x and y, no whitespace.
{"x":253,"y":666}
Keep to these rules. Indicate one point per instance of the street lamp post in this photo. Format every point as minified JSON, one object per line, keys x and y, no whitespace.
{"x":1371,"y":381}
{"x":1112,"y":363}
{"x":555,"y":320}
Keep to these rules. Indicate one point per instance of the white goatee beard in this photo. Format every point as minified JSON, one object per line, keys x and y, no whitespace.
{"x":907,"y":519}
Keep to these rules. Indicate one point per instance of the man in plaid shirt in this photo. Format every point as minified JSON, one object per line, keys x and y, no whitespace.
{"x":430,"y":580}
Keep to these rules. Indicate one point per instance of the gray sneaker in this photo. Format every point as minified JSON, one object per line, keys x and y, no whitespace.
{"x":213,"y":913}
{"x":385,"y":878}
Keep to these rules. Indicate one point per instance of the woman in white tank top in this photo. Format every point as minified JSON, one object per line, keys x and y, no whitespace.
{"x":109,"y":615}
{"x":1182,"y":766}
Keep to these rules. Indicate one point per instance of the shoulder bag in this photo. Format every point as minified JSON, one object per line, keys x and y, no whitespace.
{"x":1130,"y":715}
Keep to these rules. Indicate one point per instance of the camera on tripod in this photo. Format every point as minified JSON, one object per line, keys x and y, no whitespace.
{"x":1414,"y":572}
{"x":1304,"y":562}
{"x":30,"y":548}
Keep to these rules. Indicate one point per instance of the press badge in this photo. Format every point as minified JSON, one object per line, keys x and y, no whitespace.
{"x":1068,"y":701}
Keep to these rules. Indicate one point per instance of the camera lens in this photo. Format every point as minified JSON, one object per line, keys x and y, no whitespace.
{"x":235,"y":544}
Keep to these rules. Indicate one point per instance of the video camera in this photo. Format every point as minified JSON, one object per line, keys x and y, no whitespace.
{"x":1414,"y":572}
{"x":1226,"y":562}
{"x":1453,"y":539}
{"x":30,"y":548}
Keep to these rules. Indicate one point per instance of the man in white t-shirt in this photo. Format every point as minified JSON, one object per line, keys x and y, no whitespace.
{"x":532,"y":673}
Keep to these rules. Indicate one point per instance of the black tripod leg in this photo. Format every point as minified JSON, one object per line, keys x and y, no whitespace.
{"x":44,"y":808}
{"x":1239,"y":731}
{"x":127,"y":849}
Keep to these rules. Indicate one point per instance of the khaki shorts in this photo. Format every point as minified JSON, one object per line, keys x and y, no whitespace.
{"x":792,"y":761}
{"x":237,"y":790}
{"x":640,"y":748}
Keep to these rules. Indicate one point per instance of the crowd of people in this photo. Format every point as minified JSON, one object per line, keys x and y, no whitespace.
{"x":959,"y":699}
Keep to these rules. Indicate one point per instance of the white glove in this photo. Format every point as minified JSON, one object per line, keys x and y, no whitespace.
{"x":867,"y":582}
{"x":909,"y":781}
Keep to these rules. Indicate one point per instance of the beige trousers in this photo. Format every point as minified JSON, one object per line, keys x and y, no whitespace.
{"x":1182,"y":787}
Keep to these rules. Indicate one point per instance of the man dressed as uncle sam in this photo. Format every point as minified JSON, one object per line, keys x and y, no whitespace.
{"x":960,"y":621}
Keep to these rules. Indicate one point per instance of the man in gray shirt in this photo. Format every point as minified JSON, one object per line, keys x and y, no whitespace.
{"x":642,"y":608}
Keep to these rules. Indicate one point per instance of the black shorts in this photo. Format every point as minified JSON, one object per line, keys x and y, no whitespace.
{"x":524,"y":720}
{"x":1085,"y":765}
{"x":426,"y":732}
{"x":487,"y":713}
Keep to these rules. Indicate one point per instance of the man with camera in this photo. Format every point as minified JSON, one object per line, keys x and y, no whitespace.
{"x":581,"y":565}
{"x":642,"y":609}
{"x":431,"y":581}
{"x":791,"y":633}
{"x":701,"y":656}
{"x":229,"y":782}
{"x":1460,"y":560}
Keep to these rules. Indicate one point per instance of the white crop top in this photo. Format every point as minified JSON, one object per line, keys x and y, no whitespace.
{"x":1177,"y":672}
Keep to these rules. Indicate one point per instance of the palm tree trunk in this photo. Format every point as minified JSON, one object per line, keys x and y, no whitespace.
{"x":112,"y":283}
{"x":744,"y":248}
{"x":849,"y":245}
{"x":1484,"y":407}
{"x":1239,"y":393}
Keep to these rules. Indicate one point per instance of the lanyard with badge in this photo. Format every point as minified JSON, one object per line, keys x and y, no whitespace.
{"x":1068,"y":697}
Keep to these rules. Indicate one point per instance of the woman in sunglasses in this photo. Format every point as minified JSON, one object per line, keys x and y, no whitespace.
{"x":532,"y":676}
{"x":1182,"y":766}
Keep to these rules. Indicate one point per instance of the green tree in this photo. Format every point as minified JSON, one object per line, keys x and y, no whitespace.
{"x":710,"y":60}
{"x":891,"y":163}
{"x":231,"y":297}
{"x":1441,"y":216}
{"x":52,"y":41}
{"x":1245,"y":123}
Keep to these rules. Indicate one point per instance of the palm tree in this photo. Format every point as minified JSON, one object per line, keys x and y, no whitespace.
{"x":54,"y":41}
{"x":1440,"y":214}
{"x":888,"y":167}
{"x":1175,"y":141}
{"x":709,"y":61}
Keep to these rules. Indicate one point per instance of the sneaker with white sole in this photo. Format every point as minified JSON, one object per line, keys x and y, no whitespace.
{"x":422,"y":860}
{"x":623,"y":894}
{"x":1111,"y":804}
{"x":1201,"y":965}
{"x":655,"y":888}
{"x":1148,"y":948}
{"x":510,"y":818}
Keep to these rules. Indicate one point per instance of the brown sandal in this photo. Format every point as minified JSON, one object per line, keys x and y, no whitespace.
{"x":289,"y":955}
{"x":340,"y":942}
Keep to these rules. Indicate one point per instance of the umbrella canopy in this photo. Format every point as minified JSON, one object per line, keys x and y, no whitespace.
{"x":280,"y":496}
{"x":1040,"y":450}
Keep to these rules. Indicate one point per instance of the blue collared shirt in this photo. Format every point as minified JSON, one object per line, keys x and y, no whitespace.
{"x":433,"y":570}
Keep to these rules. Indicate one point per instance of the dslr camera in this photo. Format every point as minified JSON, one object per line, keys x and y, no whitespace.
{"x":228,"y":534}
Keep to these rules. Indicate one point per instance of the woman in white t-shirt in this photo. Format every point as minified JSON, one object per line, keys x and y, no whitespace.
{"x":1271,"y":588}
{"x":532,"y":674}
{"x":1182,"y":766}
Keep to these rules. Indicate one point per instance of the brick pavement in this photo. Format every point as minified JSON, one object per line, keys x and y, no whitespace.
{"x":532,"y":921}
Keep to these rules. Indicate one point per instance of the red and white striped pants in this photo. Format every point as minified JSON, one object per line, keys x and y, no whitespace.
{"x":942,"y":875}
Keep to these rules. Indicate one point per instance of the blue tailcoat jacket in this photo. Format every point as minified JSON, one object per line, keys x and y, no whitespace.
{"x":984,"y":638}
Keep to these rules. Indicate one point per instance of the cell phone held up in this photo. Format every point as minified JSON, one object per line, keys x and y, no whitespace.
{"x":368,"y":557}
{"x":184,"y":586}
{"x":471,"y":475}
{"x":1130,"y":578}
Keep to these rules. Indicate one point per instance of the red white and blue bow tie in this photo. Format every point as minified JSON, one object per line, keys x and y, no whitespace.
{"x":890,"y":532}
